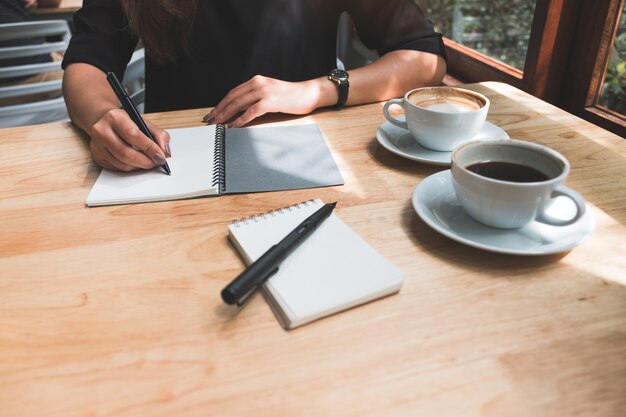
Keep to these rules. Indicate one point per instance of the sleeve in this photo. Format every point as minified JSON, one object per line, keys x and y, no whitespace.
{"x":389,"y":25}
{"x":101,"y":37}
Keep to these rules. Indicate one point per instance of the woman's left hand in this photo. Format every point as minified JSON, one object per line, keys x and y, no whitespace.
{"x":261,"y":95}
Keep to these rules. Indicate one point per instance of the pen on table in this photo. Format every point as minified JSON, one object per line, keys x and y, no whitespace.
{"x":267,"y":265}
{"x":127,"y":104}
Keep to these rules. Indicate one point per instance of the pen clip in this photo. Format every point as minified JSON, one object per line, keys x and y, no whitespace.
{"x":250,"y":293}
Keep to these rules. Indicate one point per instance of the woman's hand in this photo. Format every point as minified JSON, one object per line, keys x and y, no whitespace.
{"x":262,"y":95}
{"x":118,"y":144}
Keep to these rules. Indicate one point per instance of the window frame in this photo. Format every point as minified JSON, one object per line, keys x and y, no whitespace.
{"x":566,"y":60}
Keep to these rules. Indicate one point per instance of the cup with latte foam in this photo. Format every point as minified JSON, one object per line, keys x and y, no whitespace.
{"x":440,"y":118}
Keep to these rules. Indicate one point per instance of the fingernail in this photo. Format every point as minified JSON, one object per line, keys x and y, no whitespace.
{"x":158,"y":159}
{"x":168,"y":151}
{"x":210,"y":120}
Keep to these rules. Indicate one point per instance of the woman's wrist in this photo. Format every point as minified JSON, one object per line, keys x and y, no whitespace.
{"x":325,"y":91}
{"x":98,"y":115}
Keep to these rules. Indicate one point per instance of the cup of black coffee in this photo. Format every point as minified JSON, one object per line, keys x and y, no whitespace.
{"x":507,"y":184}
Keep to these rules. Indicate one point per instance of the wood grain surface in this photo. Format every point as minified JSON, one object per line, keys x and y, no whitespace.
{"x":66,"y":6}
{"x":115,"y":311}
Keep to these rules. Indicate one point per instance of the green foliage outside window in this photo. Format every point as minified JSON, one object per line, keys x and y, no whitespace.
{"x":497,"y":28}
{"x":501,"y":29}
{"x":613,"y":93}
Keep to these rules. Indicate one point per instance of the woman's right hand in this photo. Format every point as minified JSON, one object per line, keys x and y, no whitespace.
{"x":118,"y":144}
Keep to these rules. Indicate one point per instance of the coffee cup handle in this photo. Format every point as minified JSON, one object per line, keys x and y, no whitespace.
{"x":572,"y":195}
{"x":393,"y":120}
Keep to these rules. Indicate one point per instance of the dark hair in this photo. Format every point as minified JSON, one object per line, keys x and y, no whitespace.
{"x":164,"y":26}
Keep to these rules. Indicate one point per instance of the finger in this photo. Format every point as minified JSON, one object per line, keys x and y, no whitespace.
{"x":106,"y":160}
{"x":210,"y":116}
{"x":217,"y":115}
{"x":253,"y":84}
{"x":237,"y":106}
{"x":104,"y":137}
{"x":117,"y":164}
{"x":122,"y":151}
{"x":252,"y":113}
{"x":162,"y":137}
{"x":130,"y":133}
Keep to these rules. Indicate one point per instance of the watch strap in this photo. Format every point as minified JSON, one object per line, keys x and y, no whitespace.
{"x":343,"y":88}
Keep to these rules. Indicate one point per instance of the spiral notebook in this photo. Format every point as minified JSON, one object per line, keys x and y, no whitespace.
{"x":214,"y":160}
{"x":333,"y":270}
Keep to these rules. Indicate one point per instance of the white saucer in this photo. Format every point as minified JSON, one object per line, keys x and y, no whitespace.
{"x":399,"y":141}
{"x":436,"y":204}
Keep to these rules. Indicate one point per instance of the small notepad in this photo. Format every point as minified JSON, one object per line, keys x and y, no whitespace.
{"x":333,"y":270}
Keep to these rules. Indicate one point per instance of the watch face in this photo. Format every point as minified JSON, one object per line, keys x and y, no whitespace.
{"x":339,"y":75}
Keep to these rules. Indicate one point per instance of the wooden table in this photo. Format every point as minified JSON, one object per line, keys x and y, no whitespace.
{"x":115,"y":311}
{"x":67,"y":7}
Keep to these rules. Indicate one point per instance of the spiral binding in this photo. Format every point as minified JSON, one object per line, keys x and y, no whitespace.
{"x":272,"y":213}
{"x":219,"y":159}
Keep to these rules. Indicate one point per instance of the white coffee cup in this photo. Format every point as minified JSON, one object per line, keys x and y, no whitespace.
{"x":440,"y":118}
{"x":509,"y":183}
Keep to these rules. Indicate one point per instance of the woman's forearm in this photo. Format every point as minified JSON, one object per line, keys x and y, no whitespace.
{"x":390,"y":76}
{"x":88,"y":95}
{"x":393,"y":75}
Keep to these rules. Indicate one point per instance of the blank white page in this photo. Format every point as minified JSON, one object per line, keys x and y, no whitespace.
{"x":332,"y":270}
{"x":192,"y":173}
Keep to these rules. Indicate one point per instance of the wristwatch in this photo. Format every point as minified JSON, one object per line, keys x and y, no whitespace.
{"x":340,"y":77}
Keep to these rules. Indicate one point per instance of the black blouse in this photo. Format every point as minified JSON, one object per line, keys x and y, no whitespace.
{"x":232,"y":40}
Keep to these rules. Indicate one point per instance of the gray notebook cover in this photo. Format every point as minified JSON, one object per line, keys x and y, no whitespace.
{"x":277,"y":158}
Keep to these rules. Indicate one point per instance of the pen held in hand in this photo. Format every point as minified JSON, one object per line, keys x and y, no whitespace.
{"x":127,"y":104}
{"x":242,"y":287}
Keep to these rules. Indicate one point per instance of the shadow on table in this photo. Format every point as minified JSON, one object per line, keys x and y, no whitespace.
{"x":399,"y":163}
{"x":456,"y":253}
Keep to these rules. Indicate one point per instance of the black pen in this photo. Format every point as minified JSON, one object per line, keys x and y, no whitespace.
{"x":267,"y":265}
{"x":127,"y":104}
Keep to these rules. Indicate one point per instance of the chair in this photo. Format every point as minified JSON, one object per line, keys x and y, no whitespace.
{"x":57,"y":35}
{"x":351,"y":53}
{"x":134,"y":79}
